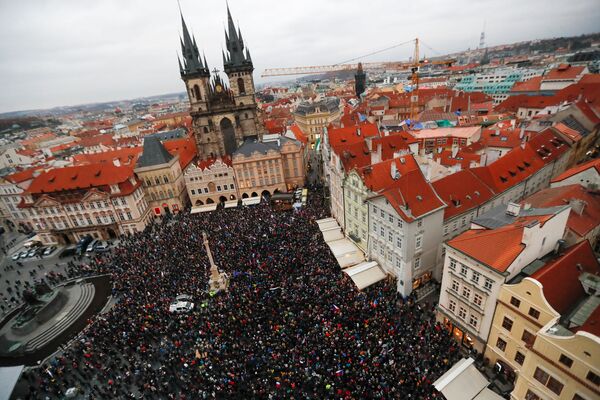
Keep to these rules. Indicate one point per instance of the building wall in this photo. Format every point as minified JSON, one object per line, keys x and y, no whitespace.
{"x":209,"y":185}
{"x":294,"y":164}
{"x":356,"y":212}
{"x":10,"y":197}
{"x":582,"y":348}
{"x":588,"y":177}
{"x":512,"y":319}
{"x":313,"y":124}
{"x":259,"y":172}
{"x":164,"y":186}
{"x":99,"y":214}
{"x":404,"y":249}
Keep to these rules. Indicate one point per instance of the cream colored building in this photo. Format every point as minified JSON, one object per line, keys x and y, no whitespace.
{"x":313,"y":117}
{"x":211,"y":181}
{"x":263,"y":168}
{"x":162,"y":178}
{"x":478,"y":262}
{"x":545,"y":328}
{"x":101,"y":200}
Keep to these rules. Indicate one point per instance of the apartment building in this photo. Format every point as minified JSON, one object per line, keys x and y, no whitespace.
{"x":211,"y":181}
{"x":313,"y":117}
{"x":480,"y":260}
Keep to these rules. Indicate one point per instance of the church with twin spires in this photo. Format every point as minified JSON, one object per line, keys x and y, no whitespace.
{"x":223,"y":115}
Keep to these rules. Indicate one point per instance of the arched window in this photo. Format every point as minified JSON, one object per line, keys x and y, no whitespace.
{"x":205,"y":130}
{"x":170,"y":193}
{"x":157,"y":179}
{"x":166,"y":179}
{"x":197,"y":92}
{"x":241,"y":86}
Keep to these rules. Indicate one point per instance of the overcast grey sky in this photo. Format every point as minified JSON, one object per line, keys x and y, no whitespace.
{"x":71,"y":52}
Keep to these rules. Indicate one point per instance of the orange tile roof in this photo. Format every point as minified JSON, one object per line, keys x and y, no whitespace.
{"x":80,"y":177}
{"x":568,"y":132}
{"x":412,"y":196}
{"x":530,"y":85}
{"x":106,"y":140}
{"x":504,"y":138}
{"x":349,"y":134}
{"x":185,"y":147}
{"x":577,"y":169}
{"x":22,"y":176}
{"x":298,"y":133}
{"x":564,"y":72}
{"x":378,"y":177}
{"x":124,"y":156}
{"x":580,"y":224}
{"x":462,"y":191}
{"x":559,"y":277}
{"x":357,"y":154}
{"x":203,"y":164}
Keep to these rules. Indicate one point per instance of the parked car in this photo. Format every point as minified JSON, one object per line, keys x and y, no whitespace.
{"x":32,"y":252}
{"x":181,"y":304}
{"x":92,"y":246}
{"x":49,"y":250}
{"x":83,"y":243}
{"x":16,"y":256}
{"x":102,"y":246}
{"x":23,"y":254}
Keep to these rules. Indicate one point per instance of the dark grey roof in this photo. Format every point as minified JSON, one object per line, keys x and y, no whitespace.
{"x":168,"y":135}
{"x":329,"y":104}
{"x":497,"y":216}
{"x":251,"y":146}
{"x":154,"y":153}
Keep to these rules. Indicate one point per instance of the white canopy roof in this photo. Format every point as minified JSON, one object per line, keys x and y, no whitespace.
{"x":205,"y":208}
{"x":231,"y":204}
{"x":365,"y":274}
{"x":464,"y":382}
{"x":8,"y":379}
{"x":250,"y":201}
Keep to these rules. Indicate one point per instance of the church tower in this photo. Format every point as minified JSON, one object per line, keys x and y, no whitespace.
{"x":223,"y":116}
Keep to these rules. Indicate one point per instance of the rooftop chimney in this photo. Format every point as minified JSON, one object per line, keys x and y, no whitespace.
{"x":369,"y":142}
{"x":394,"y":170}
{"x":513,"y":209}
{"x":116,"y":162}
{"x":376,"y":155}
{"x":577,"y":206}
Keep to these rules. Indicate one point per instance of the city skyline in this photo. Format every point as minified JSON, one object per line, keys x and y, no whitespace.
{"x":134,"y":53}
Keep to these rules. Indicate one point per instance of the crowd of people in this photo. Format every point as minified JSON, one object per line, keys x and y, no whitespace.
{"x":291,"y":325}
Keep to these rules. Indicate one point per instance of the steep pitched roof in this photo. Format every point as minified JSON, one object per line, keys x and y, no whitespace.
{"x":530,"y":85}
{"x":185,"y":148}
{"x":124,"y":156}
{"x":378,"y":177}
{"x":595,"y":164}
{"x":412,"y":196}
{"x":79,"y":177}
{"x":564,"y":72}
{"x":580,"y":224}
{"x":461,"y":191}
{"x":560,"y":277}
{"x":351,"y":134}
{"x":22,"y":176}
{"x":154,"y":153}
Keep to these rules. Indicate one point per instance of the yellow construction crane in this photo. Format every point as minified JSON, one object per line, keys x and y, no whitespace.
{"x":412,"y":66}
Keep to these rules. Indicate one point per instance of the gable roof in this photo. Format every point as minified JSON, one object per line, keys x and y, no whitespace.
{"x":530,"y":85}
{"x":595,"y":164}
{"x":412,"y":196}
{"x":185,"y":148}
{"x":461,"y":191}
{"x":563,"y":72}
{"x":579,"y":223}
{"x":124,"y":156}
{"x":154,"y":153}
{"x":560,"y":277}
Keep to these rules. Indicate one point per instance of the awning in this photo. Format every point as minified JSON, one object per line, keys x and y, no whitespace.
{"x":464,"y":382}
{"x":9,"y":377}
{"x":201,"y":209}
{"x":332,"y":234}
{"x":250,"y":201}
{"x":365,"y":274}
{"x":231,"y":204}
{"x":346,"y":252}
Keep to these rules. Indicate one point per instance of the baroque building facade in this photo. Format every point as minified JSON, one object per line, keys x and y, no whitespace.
{"x":223,"y":116}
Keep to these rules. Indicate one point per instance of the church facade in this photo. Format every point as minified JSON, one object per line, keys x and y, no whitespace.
{"x":223,"y":115}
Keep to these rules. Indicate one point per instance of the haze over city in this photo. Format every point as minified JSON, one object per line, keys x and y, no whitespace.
{"x":71,"y":52}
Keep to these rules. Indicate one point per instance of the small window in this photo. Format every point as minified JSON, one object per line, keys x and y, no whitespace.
{"x":534,"y":313}
{"x":592,"y":377}
{"x":501,"y":344}
{"x":452,"y":305}
{"x":531,"y":396}
{"x":528,"y":337}
{"x":519,"y":358}
{"x":488,"y":283}
{"x":455,"y":286}
{"x":452,"y":264}
{"x":565,"y":360}
{"x":473,"y":321}
{"x":477,"y":299}
{"x":466,"y":292}
{"x":515,"y":302}
{"x":462,"y":313}
{"x":463,"y":270}
{"x":507,"y":323}
{"x":417,"y":263}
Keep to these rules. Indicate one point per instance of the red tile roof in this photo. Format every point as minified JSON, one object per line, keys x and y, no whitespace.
{"x":124,"y":156}
{"x":568,"y":132}
{"x":202,"y":164}
{"x":530,"y":85}
{"x":462,"y":192}
{"x":80,"y":177}
{"x":349,"y":134}
{"x":378,"y":177}
{"x":299,"y":134}
{"x":22,"y":176}
{"x":513,"y":103}
{"x":577,"y":169}
{"x":357,"y":155}
{"x":504,"y":138}
{"x":580,"y":224}
{"x":564,"y":72}
{"x":105,"y":140}
{"x":185,"y":147}
{"x":560,"y":277}
{"x":497,"y":248}
{"x":412,"y":196}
